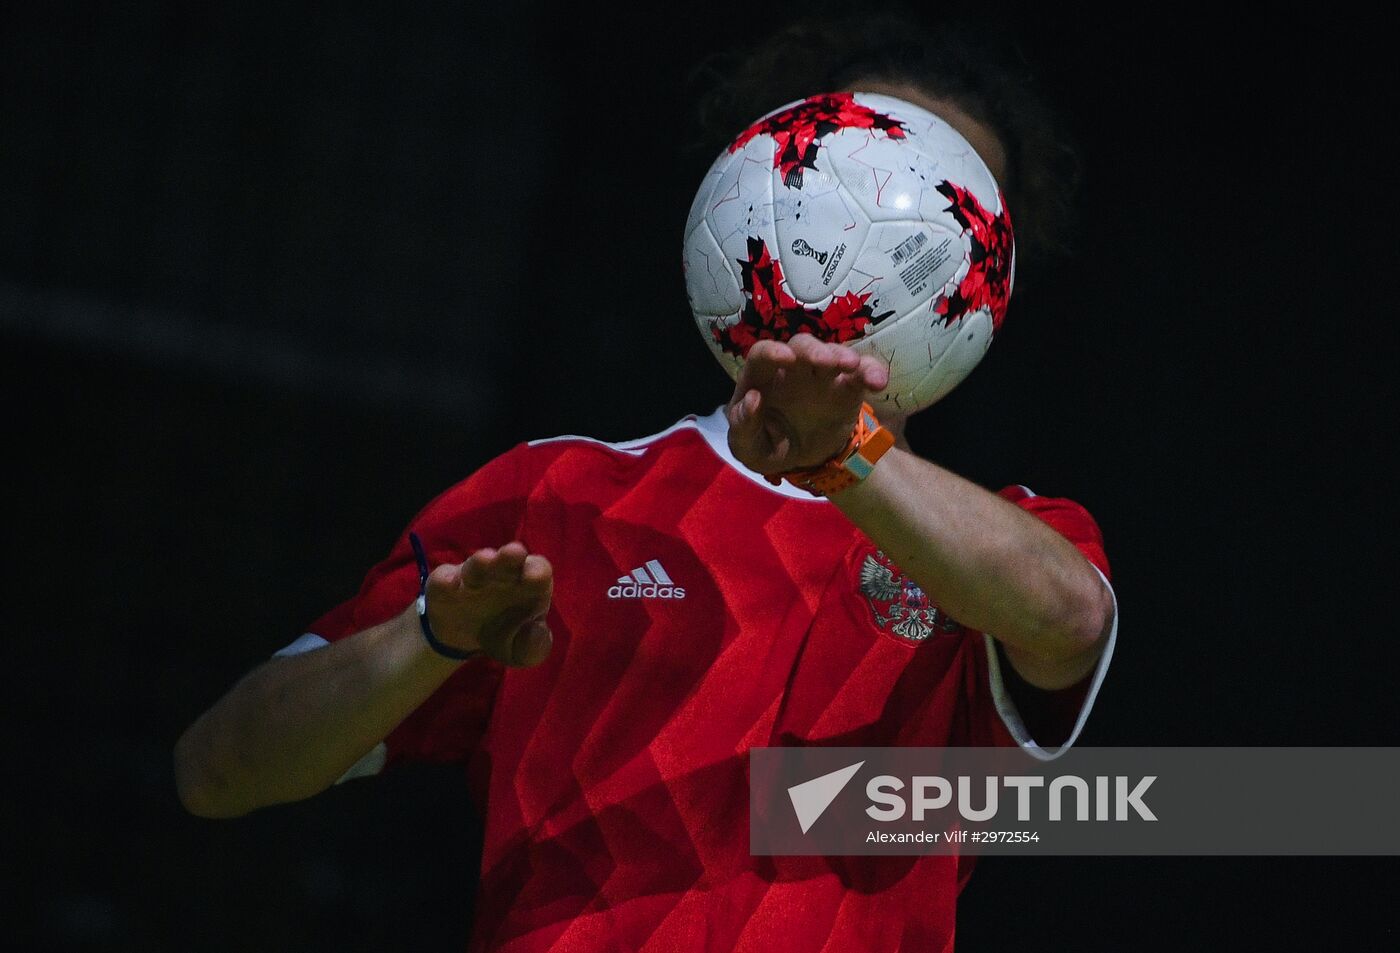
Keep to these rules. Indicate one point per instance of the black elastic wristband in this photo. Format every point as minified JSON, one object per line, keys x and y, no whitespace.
{"x":440,"y":648}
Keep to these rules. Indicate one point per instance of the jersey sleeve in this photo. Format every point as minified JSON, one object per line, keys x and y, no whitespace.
{"x":1045,"y":723}
{"x":486,"y":509}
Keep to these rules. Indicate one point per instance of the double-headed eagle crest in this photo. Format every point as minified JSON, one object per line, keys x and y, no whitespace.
{"x":900,"y":607}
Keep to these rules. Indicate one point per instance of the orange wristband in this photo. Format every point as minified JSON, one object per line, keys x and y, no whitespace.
{"x":869,"y":442}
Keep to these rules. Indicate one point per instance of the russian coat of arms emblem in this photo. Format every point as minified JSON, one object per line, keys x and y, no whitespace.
{"x":900,"y":607}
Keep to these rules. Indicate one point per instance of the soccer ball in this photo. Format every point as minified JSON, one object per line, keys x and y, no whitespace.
{"x":860,"y":219}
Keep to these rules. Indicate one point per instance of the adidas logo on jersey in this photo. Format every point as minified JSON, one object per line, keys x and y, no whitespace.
{"x":646,"y":582}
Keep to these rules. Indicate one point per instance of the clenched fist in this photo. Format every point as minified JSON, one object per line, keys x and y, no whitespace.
{"x":496,"y":603}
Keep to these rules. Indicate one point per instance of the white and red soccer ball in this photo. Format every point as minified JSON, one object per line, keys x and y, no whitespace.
{"x":860,"y":219}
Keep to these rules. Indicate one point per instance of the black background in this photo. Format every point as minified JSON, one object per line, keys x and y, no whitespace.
{"x":271,"y":276}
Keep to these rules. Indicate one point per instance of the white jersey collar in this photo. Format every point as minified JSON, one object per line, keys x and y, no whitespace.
{"x":714,"y":428}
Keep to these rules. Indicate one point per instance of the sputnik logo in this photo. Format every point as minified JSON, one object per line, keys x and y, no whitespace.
{"x":810,"y":799}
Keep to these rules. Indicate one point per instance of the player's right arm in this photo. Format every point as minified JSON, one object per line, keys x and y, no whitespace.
{"x":293,"y":726}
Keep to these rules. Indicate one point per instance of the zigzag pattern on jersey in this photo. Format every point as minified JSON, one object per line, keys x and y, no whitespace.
{"x":618,"y":795}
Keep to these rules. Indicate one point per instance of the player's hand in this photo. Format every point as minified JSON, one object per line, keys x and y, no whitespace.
{"x":796,"y":403}
{"x":494,"y":602}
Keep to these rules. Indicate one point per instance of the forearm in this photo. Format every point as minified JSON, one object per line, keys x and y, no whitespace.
{"x":987,"y":563}
{"x":294,"y":725}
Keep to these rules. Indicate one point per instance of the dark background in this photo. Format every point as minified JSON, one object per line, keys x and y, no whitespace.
{"x":273,"y":275}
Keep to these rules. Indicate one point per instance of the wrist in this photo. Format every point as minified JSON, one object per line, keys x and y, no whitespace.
{"x":398,"y":650}
{"x":850,"y":465}
{"x":455,"y":650}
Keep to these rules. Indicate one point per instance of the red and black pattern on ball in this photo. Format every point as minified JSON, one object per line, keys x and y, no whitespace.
{"x":771,"y":314}
{"x":795,"y":130}
{"x":987,"y":283}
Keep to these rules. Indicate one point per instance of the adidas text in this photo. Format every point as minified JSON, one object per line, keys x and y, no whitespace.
{"x":634,"y":591}
{"x":648,"y":581}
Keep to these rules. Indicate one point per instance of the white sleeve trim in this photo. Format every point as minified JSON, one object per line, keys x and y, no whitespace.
{"x":368,"y":766}
{"x":1006,"y":708}
{"x":305,"y":643}
{"x":373,"y":761}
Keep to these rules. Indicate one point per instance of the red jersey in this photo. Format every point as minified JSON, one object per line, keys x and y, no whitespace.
{"x":698,"y":612}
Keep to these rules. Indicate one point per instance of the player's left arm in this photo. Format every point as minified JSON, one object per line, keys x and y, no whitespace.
{"x":991,"y":565}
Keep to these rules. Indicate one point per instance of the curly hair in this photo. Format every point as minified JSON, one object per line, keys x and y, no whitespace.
{"x":965,"y":61}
